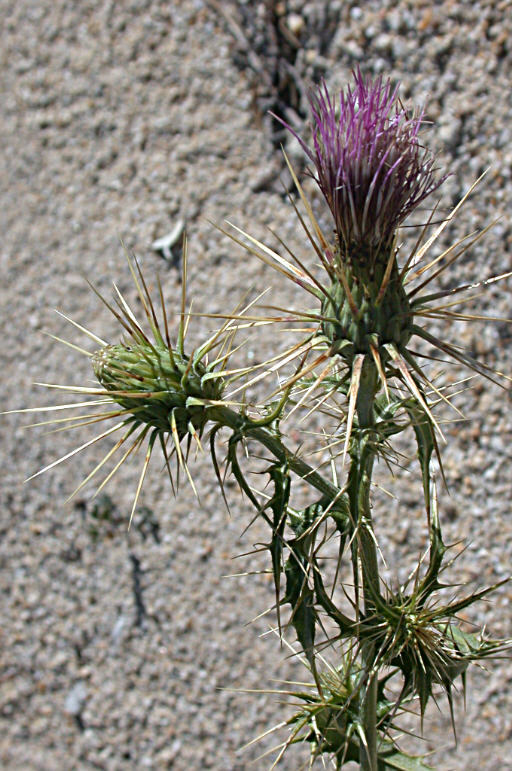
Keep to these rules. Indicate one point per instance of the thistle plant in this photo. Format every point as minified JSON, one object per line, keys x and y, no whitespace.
{"x":374,"y":649}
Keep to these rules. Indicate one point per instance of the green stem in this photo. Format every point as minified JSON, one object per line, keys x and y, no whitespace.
{"x":268,"y":438}
{"x":362,"y":458}
{"x":362,"y":454}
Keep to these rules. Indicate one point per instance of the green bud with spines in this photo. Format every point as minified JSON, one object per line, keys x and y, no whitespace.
{"x":369,"y":308}
{"x":153,"y":382}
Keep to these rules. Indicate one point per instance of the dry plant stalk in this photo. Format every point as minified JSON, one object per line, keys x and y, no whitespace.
{"x":356,"y":367}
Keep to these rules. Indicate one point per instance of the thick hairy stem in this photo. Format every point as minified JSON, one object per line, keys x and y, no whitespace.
{"x":371,"y":589}
{"x":362,"y":458}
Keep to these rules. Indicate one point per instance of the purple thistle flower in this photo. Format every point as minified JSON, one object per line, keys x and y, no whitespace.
{"x":369,"y":162}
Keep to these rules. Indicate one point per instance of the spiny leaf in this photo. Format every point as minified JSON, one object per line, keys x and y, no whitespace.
{"x":279,"y":505}
{"x":425,"y":440}
{"x":301,"y":598}
{"x":437,"y":552}
{"x":393,"y":758}
{"x":298,"y":592}
{"x":346,"y":625}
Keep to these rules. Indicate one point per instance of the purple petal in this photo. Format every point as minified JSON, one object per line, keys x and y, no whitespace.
{"x":368,"y":161}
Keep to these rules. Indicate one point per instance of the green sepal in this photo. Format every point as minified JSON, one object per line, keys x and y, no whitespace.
{"x":456,"y":607}
{"x":357,"y":310}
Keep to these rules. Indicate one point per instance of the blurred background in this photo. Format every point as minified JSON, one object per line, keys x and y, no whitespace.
{"x":118,"y":121}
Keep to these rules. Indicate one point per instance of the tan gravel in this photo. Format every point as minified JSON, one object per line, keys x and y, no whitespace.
{"x":119,"y":118}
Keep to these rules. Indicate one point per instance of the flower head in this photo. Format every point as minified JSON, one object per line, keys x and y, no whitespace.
{"x":369,"y":163}
{"x":158,"y":393}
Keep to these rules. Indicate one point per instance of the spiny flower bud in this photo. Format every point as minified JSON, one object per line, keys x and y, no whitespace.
{"x":367,"y":311}
{"x":369,"y":163}
{"x":330,"y":720}
{"x":158,"y":394}
{"x":373,"y":172}
{"x":153,"y":382}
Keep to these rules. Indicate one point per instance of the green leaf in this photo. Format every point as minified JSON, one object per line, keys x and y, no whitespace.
{"x":393,"y":758}
{"x":427,"y":444}
{"x":237,"y":471}
{"x":301,"y":598}
{"x":430,"y":582}
{"x":456,"y":607}
{"x":279,"y":505}
{"x":297,"y":570}
{"x":346,"y":625}
{"x":426,"y":441}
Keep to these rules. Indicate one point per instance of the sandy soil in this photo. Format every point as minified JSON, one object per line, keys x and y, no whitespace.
{"x":118,"y":119}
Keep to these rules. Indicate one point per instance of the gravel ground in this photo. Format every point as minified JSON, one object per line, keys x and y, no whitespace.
{"x":118,"y":119}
